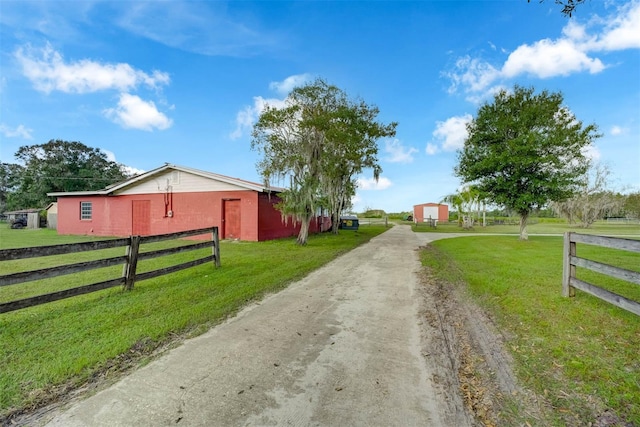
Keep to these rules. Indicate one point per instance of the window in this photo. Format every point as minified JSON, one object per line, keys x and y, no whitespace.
{"x":85,"y":210}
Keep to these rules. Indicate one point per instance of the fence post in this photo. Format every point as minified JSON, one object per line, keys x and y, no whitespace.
{"x":568,"y":270}
{"x":132,"y":263}
{"x":216,"y":247}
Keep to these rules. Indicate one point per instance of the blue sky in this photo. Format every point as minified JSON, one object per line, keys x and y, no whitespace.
{"x":182,"y":82}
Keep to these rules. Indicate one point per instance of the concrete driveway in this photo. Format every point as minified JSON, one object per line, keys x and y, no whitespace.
{"x":343,"y":347}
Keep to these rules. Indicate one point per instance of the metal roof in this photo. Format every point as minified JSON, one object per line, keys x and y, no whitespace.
{"x":22,"y":211}
{"x":168,"y":166}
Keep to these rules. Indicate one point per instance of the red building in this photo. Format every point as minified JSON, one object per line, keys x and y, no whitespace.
{"x":174,"y":198}
{"x":434,"y":211}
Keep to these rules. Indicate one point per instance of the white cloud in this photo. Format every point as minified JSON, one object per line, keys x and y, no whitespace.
{"x":356,"y":200}
{"x":548,"y":58}
{"x":591,"y":152}
{"x":110,"y":155}
{"x":246,"y":117}
{"x":398,"y":153}
{"x":575,"y":31}
{"x":450,"y":134}
{"x":48,"y":71}
{"x":621,"y":32}
{"x":473,"y":74}
{"x":431,"y":149}
{"x":568,"y":54}
{"x":287,"y":85}
{"x":616,"y":130}
{"x":479,"y":97}
{"x":371,"y":184}
{"x":128,"y":169}
{"x":134,"y":113}
{"x":19,"y":132}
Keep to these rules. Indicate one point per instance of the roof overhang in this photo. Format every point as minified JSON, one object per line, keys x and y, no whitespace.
{"x":248,"y":185}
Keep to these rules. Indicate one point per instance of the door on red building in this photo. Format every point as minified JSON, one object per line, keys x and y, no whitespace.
{"x":231,"y":219}
{"x":141,"y":217}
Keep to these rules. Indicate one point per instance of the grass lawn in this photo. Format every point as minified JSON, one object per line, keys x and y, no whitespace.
{"x":600,"y":227}
{"x":580,"y":354}
{"x":47,"y":349}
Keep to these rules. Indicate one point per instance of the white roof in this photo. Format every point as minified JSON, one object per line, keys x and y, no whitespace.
{"x":167,"y":166}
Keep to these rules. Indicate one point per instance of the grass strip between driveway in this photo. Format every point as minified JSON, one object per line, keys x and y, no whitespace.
{"x":579,"y":354}
{"x":539,"y":226}
{"x":49,"y":349}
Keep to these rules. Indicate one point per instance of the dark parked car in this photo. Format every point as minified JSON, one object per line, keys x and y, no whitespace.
{"x":19,"y":222}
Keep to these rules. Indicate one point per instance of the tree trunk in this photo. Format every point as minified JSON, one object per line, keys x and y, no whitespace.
{"x":523,"y":226}
{"x":335,"y":223}
{"x":304,"y":232}
{"x":484,"y":214}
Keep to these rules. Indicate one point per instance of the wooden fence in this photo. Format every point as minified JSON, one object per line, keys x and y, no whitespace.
{"x":374,"y":221}
{"x":570,"y":261}
{"x":129,"y":262}
{"x":433,"y":223}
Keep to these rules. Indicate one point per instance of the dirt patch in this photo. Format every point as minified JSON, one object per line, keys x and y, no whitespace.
{"x":473,"y":357}
{"x":461,"y":334}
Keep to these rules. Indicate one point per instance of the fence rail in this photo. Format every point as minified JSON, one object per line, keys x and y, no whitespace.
{"x":129,"y":262}
{"x":374,"y":221}
{"x":624,"y":220}
{"x":570,"y":261}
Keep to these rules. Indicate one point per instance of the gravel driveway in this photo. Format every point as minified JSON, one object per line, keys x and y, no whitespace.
{"x":346,"y":346}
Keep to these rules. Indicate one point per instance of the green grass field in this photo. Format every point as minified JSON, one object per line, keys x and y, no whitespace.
{"x":581,"y":353}
{"x":47,"y":349}
{"x":600,"y":227}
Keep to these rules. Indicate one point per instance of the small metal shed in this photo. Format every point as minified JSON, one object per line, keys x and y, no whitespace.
{"x":52,"y":215}
{"x":349,"y":222}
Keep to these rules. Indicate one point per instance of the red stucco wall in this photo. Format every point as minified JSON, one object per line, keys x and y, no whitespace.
{"x":270,"y":222}
{"x":112,"y":215}
{"x":443,"y":211}
{"x":271,"y":226}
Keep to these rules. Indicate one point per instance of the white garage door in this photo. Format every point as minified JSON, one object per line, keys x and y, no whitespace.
{"x":430,"y":212}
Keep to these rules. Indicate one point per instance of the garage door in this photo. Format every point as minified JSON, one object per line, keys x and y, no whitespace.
{"x":430,"y":212}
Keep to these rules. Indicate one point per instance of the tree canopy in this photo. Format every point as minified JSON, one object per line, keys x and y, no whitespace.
{"x":593,"y":200}
{"x":568,"y":6}
{"x":632,"y":205}
{"x":56,"y":166}
{"x":463,"y":202}
{"x":525,"y":150}
{"x":317,"y":143}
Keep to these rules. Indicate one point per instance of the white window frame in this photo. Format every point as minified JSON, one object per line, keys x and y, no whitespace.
{"x":86,"y":211}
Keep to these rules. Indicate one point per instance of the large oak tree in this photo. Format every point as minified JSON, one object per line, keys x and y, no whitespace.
{"x":56,"y":166}
{"x":525,"y":150}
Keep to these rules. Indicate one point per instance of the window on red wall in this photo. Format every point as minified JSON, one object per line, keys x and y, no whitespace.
{"x":86,"y":210}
